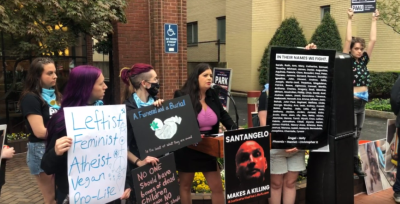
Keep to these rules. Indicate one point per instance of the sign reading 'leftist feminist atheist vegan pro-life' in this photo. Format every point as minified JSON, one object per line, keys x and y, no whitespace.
{"x":299,"y":103}
{"x":157,"y":184}
{"x":247,"y":160}
{"x":97,"y":159}
{"x":159,"y":130}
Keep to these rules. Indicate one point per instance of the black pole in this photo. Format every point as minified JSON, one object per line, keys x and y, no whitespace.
{"x":3,"y":58}
{"x":111,"y":70}
{"x":219,"y":50}
{"x":228,"y":93}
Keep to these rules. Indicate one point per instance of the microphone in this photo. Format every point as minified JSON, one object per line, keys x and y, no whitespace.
{"x":227,"y":93}
{"x":215,"y":86}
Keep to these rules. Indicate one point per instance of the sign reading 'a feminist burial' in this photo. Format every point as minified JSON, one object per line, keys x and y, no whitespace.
{"x":159,"y":130}
{"x":97,"y":159}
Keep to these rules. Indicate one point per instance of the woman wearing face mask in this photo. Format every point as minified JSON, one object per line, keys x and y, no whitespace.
{"x":209,"y":113}
{"x":85,"y":87}
{"x":40,"y":99}
{"x":140,"y":91}
{"x":361,"y":77}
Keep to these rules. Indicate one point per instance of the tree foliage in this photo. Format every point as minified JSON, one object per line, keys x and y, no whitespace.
{"x":327,"y":36}
{"x":289,"y":34}
{"x":389,"y":11}
{"x":48,"y":27}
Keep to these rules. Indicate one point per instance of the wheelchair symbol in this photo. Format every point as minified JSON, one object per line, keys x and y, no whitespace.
{"x":170,"y":32}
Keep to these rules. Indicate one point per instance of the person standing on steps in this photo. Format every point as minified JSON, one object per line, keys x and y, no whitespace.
{"x":355,"y":46}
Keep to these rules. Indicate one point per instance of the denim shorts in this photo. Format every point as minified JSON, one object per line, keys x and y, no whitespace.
{"x":282,"y":162}
{"x":34,"y":156}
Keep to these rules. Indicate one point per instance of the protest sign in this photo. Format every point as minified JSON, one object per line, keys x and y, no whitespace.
{"x":97,"y":159}
{"x":223,"y":78}
{"x":363,"y":6}
{"x":247,"y":172}
{"x":300,"y":94}
{"x":157,"y":184}
{"x":159,"y":130}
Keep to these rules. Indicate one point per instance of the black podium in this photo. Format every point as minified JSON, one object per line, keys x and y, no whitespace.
{"x":330,"y":175}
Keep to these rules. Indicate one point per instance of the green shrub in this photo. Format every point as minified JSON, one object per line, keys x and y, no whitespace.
{"x":327,"y":36}
{"x":379,"y":105}
{"x":382,"y":83}
{"x":289,"y":34}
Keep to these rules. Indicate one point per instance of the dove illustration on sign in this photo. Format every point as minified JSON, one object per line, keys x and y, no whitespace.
{"x":167,"y":129}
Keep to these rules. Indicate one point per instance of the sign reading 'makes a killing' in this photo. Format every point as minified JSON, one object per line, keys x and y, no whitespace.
{"x":159,"y":130}
{"x":247,"y":176}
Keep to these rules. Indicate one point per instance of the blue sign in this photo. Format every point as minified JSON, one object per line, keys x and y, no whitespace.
{"x":171,"y":38}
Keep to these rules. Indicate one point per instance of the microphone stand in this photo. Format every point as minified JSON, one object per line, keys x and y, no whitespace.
{"x":227,"y":93}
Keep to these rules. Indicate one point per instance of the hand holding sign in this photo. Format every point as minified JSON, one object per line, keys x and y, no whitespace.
{"x":62,"y":145}
{"x":158,"y":103}
{"x":148,"y":160}
{"x":350,"y":13}
{"x":375,"y":15}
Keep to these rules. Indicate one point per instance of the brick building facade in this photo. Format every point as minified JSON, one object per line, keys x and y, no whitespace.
{"x":140,"y":40}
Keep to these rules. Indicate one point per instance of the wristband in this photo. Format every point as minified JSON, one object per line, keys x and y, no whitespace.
{"x":137,"y":160}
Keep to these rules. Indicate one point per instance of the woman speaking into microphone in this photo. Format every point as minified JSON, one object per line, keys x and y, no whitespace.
{"x":209,"y":112}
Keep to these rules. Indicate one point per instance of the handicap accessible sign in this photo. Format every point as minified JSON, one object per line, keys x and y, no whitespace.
{"x":171,"y":38}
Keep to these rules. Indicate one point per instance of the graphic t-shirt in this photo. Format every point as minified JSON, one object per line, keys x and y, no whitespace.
{"x":32,"y":104}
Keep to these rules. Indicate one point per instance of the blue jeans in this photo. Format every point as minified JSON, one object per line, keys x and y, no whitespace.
{"x":34,"y":156}
{"x":359,"y":117}
{"x":396,"y":186}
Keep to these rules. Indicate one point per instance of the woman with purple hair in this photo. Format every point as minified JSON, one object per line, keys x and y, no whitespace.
{"x":140,"y":91}
{"x":85,"y":87}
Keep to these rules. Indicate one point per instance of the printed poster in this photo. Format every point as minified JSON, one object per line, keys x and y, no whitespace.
{"x":223,"y":78}
{"x":300,"y":94}
{"x":247,"y":165}
{"x":97,"y":159}
{"x":363,"y":6}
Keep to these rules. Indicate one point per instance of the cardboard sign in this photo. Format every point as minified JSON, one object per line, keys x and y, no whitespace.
{"x":247,"y":172}
{"x":299,"y":101}
{"x":97,"y":159}
{"x":157,"y":184}
{"x":159,"y":130}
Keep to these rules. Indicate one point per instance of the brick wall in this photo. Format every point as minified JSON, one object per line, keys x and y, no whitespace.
{"x":140,"y":40}
{"x":171,"y":68}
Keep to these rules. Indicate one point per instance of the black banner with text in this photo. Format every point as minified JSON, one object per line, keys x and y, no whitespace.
{"x":299,"y":101}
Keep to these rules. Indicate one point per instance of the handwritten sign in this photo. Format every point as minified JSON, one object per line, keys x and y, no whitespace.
{"x":159,"y":130}
{"x":247,"y":160}
{"x":97,"y":159}
{"x":157,"y":184}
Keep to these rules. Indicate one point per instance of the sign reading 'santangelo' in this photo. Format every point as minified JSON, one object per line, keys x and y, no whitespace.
{"x":247,"y":165}
{"x":159,"y":130}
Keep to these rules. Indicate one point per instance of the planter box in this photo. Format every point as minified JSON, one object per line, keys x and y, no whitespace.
{"x":20,"y":146}
{"x":380,"y":114}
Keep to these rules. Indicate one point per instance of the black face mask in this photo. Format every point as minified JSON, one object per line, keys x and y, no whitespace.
{"x":153,"y":90}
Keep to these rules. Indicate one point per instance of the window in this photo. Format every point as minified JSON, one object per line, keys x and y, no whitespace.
{"x":221,"y":29}
{"x":192,"y":33}
{"x":324,"y":10}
